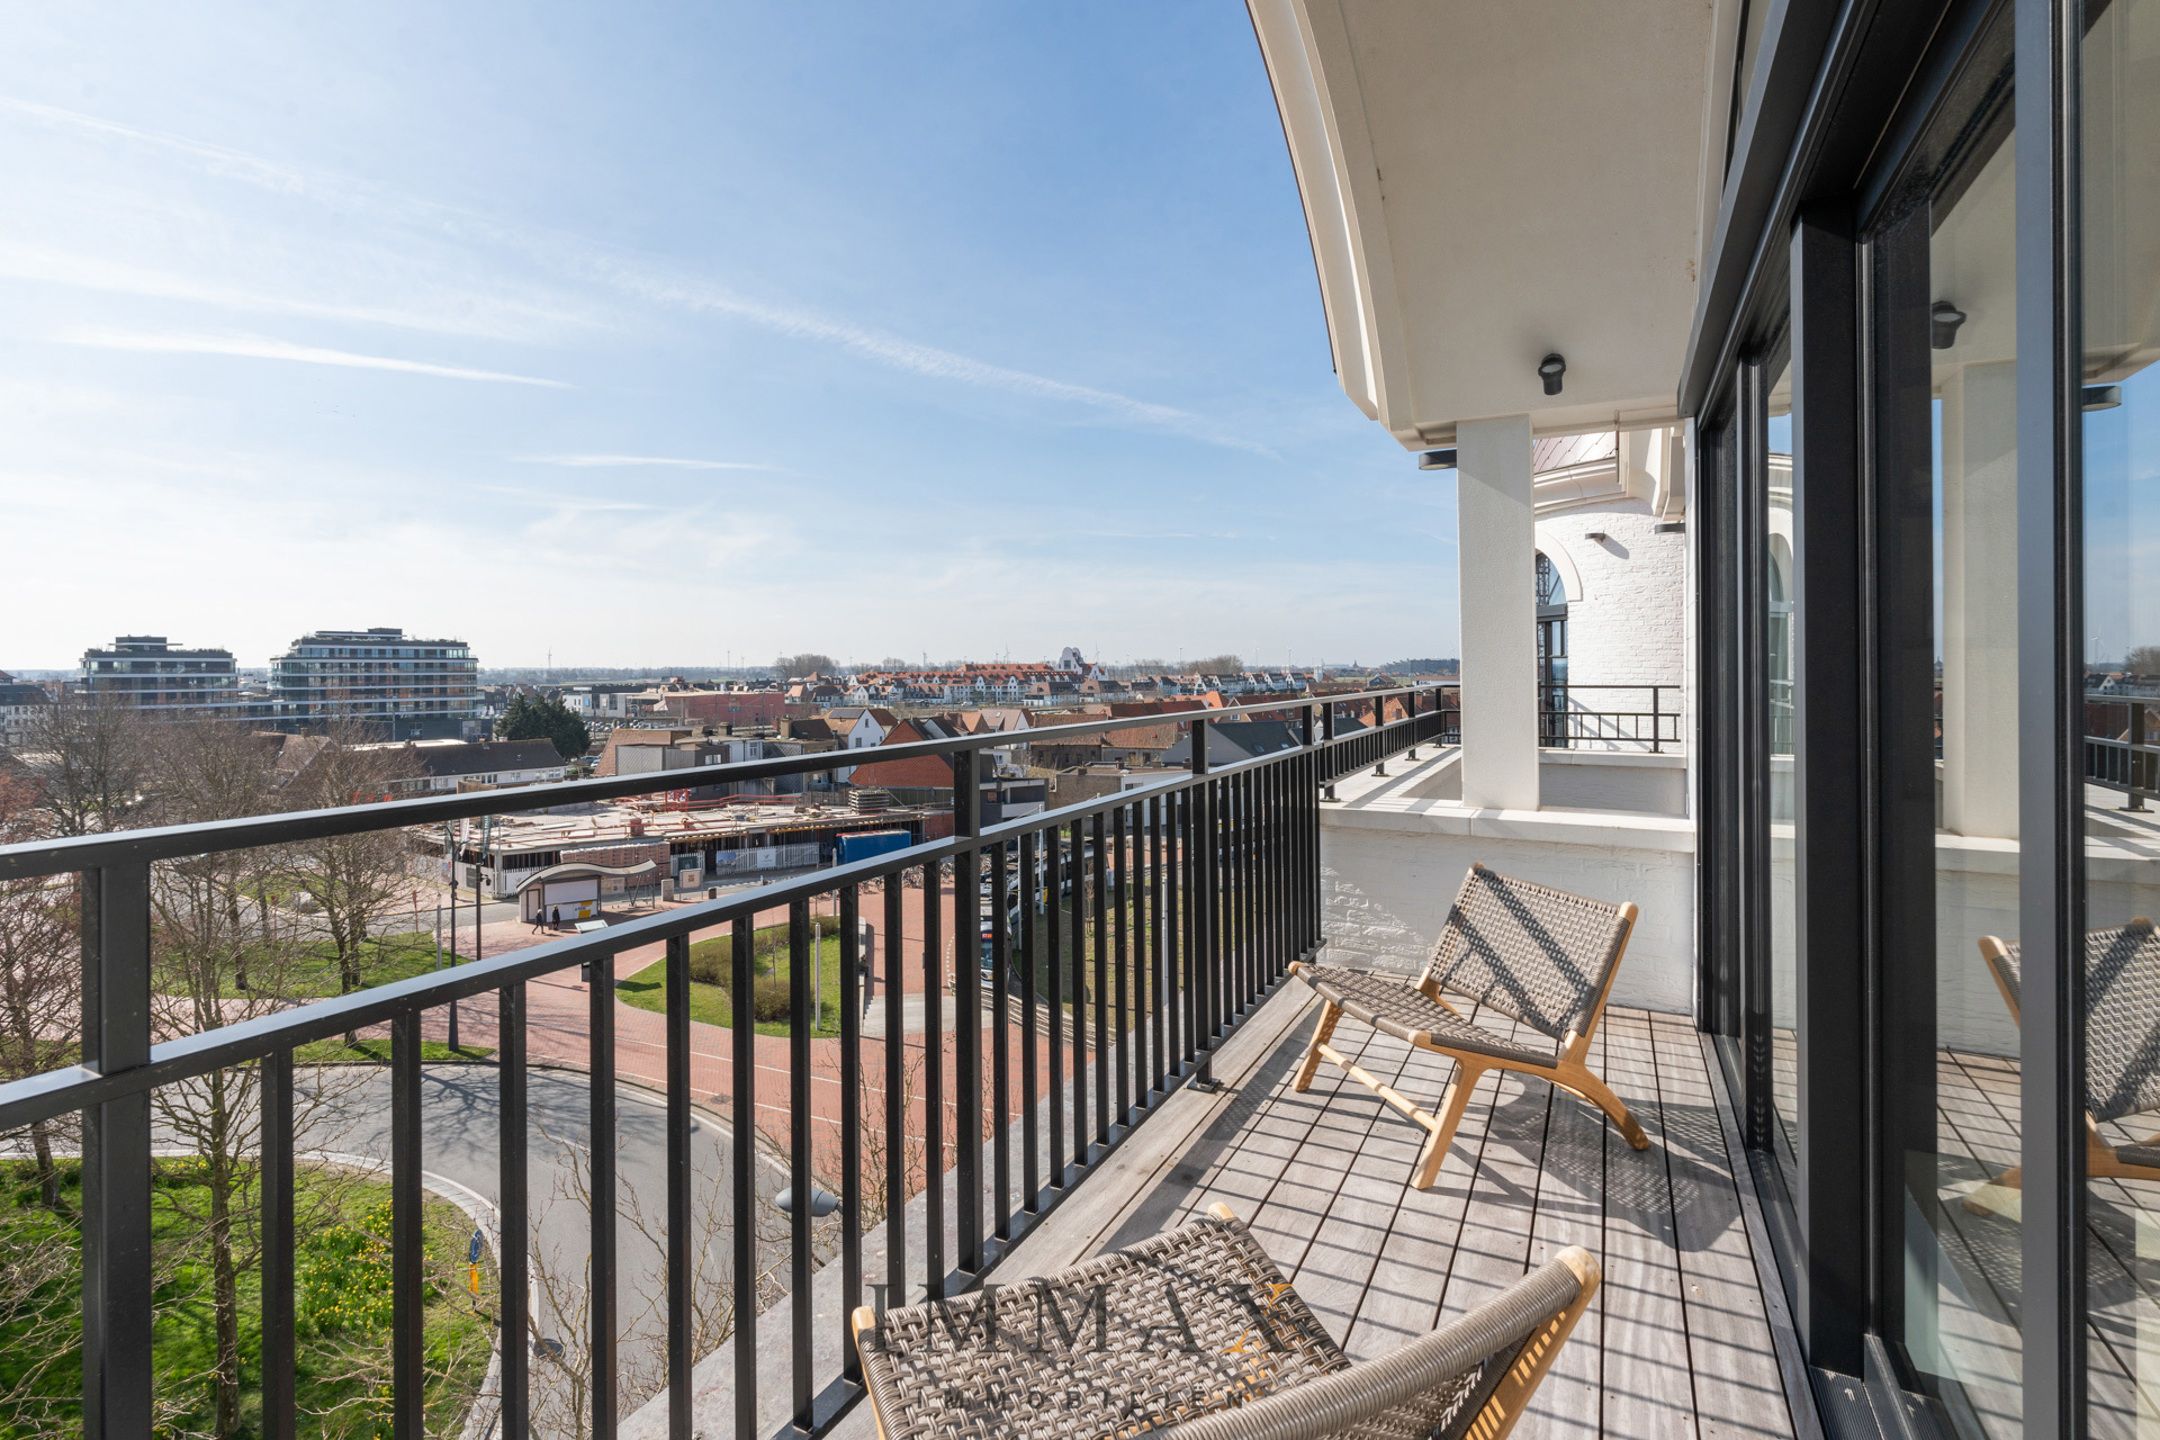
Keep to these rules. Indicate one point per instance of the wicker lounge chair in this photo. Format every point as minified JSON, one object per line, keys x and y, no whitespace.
{"x":1542,"y":956}
{"x":2122,"y":1061}
{"x":1195,"y":1335}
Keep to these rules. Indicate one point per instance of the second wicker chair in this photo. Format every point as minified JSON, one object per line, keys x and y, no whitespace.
{"x":1540,"y":956}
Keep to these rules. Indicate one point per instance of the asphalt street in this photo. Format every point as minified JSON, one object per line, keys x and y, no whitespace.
{"x":346,"y":1110}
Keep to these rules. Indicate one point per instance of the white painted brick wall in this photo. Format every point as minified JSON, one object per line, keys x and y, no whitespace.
{"x":1629,"y":624}
{"x":1387,"y":891}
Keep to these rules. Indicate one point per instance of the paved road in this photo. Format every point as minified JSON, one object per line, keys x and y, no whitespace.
{"x":350,"y":1114}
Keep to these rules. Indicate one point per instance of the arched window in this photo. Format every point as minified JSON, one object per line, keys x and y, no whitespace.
{"x":1552,"y":618}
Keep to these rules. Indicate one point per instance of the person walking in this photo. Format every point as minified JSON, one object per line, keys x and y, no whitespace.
{"x":555,"y":918}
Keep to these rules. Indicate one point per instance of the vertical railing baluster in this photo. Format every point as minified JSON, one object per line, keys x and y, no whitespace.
{"x":600,"y":1025}
{"x":896,"y":1168}
{"x":1030,"y":961}
{"x":1220,"y":876}
{"x":967,"y":1014}
{"x":408,"y":1305}
{"x":1159,"y":925}
{"x":1329,"y":757}
{"x":802,"y":1182}
{"x":679,"y":1356}
{"x":1255,"y":827}
{"x":116,"y":1275}
{"x":851,"y":1277}
{"x":1054,"y":968}
{"x":1189,"y":903}
{"x":513,"y":1211}
{"x":933,"y":964}
{"x":1001,"y":1039}
{"x":1242,"y":834}
{"x":742,"y":1165}
{"x":1201,"y":841}
{"x":1285,"y":867}
{"x":1078,"y":988}
{"x":279,"y":1420}
{"x":1130,"y":1032}
{"x":1099,"y":875}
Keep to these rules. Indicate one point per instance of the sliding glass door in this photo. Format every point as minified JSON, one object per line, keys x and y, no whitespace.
{"x":2117,"y":727}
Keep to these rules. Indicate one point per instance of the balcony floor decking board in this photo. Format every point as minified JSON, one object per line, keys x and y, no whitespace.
{"x":1679,"y":1341}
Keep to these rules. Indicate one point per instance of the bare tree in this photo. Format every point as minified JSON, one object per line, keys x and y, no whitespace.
{"x":560,"y":1324}
{"x":351,"y":878}
{"x":90,"y":757}
{"x":40,"y":967}
{"x":809,"y":662}
{"x":2142,"y":661}
{"x":206,"y":933}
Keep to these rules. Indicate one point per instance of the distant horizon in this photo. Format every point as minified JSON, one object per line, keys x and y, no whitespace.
{"x":566,"y":673}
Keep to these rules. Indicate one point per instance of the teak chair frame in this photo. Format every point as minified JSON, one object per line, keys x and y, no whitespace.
{"x":1569,"y":1069}
{"x":2103,"y":1160}
{"x":1258,"y":1418}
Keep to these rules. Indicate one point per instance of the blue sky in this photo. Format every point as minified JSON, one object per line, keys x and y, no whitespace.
{"x":647,"y":334}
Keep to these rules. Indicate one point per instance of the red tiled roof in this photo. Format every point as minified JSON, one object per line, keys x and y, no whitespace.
{"x":1142,"y":737}
{"x":920,"y":772}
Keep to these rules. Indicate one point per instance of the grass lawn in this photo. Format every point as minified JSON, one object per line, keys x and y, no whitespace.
{"x":341,"y":1298}
{"x":1077,"y":930}
{"x":310,"y":972}
{"x":375,"y":1050}
{"x":713,"y":957}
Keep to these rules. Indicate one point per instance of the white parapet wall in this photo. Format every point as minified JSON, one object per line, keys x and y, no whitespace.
{"x":1392,"y":861}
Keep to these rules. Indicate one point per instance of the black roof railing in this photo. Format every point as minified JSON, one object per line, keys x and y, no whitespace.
{"x":168,"y":842}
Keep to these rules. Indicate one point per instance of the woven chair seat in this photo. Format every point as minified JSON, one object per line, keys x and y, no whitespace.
{"x":1397,"y":1007}
{"x":1538,"y":955}
{"x":1185,"y":1334}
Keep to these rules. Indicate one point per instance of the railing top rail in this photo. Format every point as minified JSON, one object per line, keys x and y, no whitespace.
{"x":167,"y":842}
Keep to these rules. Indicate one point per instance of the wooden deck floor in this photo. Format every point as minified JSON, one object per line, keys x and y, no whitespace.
{"x":1979,"y":1262}
{"x":1679,"y":1341}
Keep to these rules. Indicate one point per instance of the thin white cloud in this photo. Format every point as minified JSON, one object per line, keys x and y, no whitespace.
{"x":217,"y":159}
{"x":630,"y":462}
{"x":642,"y":282}
{"x":580,"y":504}
{"x":896,"y":352}
{"x":259,"y":347}
{"x":446,"y":311}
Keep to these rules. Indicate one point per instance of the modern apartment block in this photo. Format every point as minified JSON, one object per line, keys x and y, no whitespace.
{"x":151,"y":674}
{"x":414,"y":689}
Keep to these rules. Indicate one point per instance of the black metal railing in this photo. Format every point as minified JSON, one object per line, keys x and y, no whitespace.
{"x":1609,"y":717}
{"x":2127,"y":762}
{"x":1215,"y":879}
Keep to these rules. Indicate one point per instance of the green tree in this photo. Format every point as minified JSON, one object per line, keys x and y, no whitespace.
{"x":529,"y":717}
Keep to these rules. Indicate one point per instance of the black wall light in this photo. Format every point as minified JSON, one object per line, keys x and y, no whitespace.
{"x":1943,"y":321}
{"x":2101,"y":397}
{"x":1436,"y":460}
{"x":1550,"y":370}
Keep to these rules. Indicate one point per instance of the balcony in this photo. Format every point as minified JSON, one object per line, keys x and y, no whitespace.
{"x":1061,"y":1119}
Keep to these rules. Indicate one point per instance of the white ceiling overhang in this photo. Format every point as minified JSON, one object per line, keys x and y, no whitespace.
{"x":1485,"y":183}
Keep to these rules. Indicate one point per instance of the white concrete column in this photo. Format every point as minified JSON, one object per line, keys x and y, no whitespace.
{"x":1979,"y":641}
{"x":1495,"y":560}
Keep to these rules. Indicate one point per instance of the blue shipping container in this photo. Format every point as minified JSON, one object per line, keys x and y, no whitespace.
{"x":865,"y":843}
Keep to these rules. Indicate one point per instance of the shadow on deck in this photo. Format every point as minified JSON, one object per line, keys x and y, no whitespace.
{"x":1679,"y":1340}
